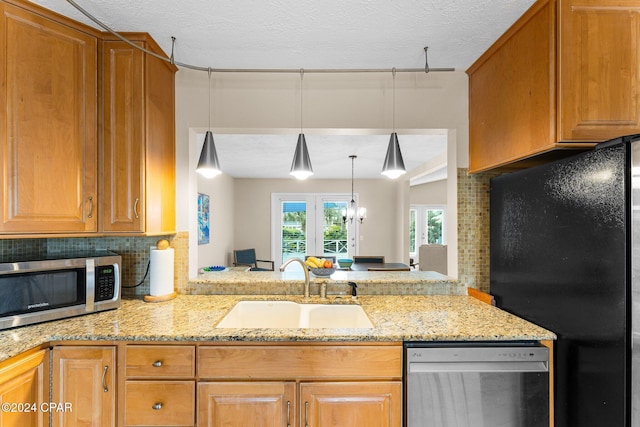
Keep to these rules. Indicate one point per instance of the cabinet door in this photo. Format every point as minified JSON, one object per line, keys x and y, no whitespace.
{"x":24,"y":388}
{"x":84,"y":377}
{"x":48,"y":143}
{"x":124,"y":138}
{"x":599,"y":94}
{"x":355,"y":404}
{"x":512,"y":92}
{"x":139,"y":138}
{"x":239,"y":404}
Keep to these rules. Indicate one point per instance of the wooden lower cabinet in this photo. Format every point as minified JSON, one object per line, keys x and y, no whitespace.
{"x":159,"y":403}
{"x":275,"y":404}
{"x":357,"y":404}
{"x":24,"y":391}
{"x":229,"y":404}
{"x":85,"y":378}
{"x":230,"y":385}
{"x":159,"y":385}
{"x":300,"y":385}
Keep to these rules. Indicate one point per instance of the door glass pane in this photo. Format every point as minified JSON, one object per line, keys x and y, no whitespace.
{"x":434,"y":226}
{"x":294,"y":229}
{"x":412,"y":231}
{"x":334,"y":230}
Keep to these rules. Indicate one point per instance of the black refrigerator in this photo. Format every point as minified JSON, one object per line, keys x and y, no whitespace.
{"x":565,"y":254}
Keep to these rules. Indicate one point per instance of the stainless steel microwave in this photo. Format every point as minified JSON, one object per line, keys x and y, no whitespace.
{"x":39,"y":289}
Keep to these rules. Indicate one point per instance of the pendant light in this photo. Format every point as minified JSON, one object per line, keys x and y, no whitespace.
{"x":351,"y":212}
{"x":301,"y":165}
{"x":208,"y":165}
{"x":393,"y":165}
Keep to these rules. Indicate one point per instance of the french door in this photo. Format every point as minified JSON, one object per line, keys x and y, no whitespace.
{"x":311,"y":225}
{"x":426,"y":226}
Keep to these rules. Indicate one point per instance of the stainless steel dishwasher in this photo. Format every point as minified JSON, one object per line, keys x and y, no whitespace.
{"x":476,"y":385}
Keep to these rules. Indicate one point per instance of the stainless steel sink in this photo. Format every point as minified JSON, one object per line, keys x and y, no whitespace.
{"x":287,"y":314}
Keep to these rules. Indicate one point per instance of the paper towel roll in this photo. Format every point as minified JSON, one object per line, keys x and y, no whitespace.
{"x":161,"y":272}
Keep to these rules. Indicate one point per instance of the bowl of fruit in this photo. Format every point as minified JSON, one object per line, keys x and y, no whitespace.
{"x":320,"y":266}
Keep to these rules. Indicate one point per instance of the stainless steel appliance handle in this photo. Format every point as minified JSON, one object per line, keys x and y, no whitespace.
{"x":469,"y":366}
{"x":90,"y":285}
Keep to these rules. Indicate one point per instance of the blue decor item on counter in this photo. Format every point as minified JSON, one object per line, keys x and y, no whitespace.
{"x":345,"y":262}
{"x":214,"y":268}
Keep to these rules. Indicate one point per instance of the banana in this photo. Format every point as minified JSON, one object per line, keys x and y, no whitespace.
{"x":314,"y":262}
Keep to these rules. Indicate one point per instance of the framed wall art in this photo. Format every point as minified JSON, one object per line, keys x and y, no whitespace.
{"x":203,"y":219}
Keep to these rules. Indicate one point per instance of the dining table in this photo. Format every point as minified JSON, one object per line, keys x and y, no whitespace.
{"x":379,"y":266}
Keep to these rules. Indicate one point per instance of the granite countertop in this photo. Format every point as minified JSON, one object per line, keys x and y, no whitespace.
{"x":193,"y":318}
{"x":237,"y":282}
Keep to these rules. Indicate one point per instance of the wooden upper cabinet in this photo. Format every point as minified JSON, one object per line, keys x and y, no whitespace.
{"x":599,"y":90}
{"x":511,"y":93}
{"x":564,"y":76}
{"x":138,"y":155}
{"x":48,"y":132}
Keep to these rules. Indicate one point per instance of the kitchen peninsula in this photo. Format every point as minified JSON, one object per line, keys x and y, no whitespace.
{"x":236,"y":282}
{"x":192,"y":318}
{"x":145,"y":362}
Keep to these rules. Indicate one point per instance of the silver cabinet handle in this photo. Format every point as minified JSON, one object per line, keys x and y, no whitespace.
{"x":288,"y":413}
{"x":157,"y":363}
{"x":157,"y":406}
{"x":135,"y":208}
{"x":104,"y":378}
{"x":90,"y":214}
{"x":306,"y":414}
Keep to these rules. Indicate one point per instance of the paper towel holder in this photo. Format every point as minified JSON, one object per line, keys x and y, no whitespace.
{"x":161,"y":245}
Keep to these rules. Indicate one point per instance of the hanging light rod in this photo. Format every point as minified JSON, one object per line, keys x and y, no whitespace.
{"x":171,"y":59}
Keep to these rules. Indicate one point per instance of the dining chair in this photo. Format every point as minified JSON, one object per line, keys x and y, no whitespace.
{"x":370,"y":259}
{"x":248,"y":257}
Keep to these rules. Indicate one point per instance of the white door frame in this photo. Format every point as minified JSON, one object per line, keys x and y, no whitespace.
{"x":314,"y":228}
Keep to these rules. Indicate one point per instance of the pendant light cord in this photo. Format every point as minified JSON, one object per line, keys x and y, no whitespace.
{"x":352,"y":197}
{"x":209,"y":98}
{"x":301,"y":103}
{"x":393,"y":113}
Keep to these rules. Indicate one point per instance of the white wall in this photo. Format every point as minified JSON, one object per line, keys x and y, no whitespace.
{"x":432,"y":193}
{"x":261,"y":101}
{"x":222,"y":220}
{"x":378,"y":232}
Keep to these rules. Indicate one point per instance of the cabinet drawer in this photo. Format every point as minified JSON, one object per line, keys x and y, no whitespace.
{"x":300,"y":361}
{"x":151,"y":403}
{"x":160,"y":361}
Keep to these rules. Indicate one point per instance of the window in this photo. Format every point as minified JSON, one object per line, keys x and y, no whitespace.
{"x":426,"y":226}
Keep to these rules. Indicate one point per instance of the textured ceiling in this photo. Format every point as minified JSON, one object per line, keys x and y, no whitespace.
{"x":295,"y":34}
{"x":311,"y":33}
{"x":270,"y":156}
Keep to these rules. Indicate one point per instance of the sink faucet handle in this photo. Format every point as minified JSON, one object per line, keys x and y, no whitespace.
{"x":354,"y":286}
